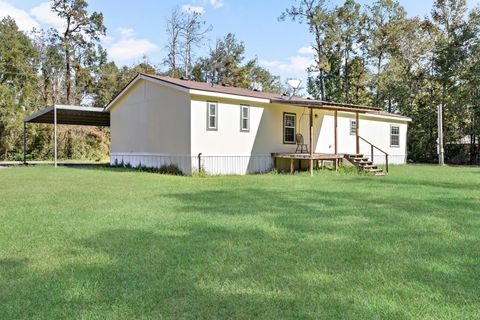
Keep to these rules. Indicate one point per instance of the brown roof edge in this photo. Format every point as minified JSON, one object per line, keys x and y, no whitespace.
{"x":325,"y":105}
{"x":208,"y":87}
{"x":339,"y":106}
{"x":273,"y":97}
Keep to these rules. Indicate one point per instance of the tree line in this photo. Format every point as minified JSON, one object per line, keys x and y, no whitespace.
{"x":377,"y":55}
{"x":69,"y":66}
{"x":372,"y":55}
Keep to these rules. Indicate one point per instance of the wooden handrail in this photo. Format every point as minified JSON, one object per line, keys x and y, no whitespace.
{"x":372,"y":146}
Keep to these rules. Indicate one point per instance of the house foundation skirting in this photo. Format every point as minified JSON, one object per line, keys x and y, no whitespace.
{"x":151,"y":160}
{"x":234,"y":164}
{"x":211,"y":164}
{"x":215,"y":164}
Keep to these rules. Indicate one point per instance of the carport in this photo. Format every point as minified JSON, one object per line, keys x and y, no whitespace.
{"x":69,"y":115}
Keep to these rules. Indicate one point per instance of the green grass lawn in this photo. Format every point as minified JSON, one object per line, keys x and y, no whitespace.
{"x":109,"y":244}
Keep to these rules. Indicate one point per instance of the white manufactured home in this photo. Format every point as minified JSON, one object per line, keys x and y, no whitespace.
{"x":160,"y":120}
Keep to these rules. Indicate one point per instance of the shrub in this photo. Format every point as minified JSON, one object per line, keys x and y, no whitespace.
{"x":170,"y":169}
{"x":199,"y":172}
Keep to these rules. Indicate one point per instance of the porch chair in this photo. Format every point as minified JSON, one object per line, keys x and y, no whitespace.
{"x":301,"y":145}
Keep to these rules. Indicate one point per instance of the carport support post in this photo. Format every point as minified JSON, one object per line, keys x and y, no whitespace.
{"x":55,"y":134}
{"x":24,"y":142}
{"x":311,"y":142}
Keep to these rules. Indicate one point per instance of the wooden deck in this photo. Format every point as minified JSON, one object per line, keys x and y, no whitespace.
{"x":313,"y":159}
{"x":308,"y":156}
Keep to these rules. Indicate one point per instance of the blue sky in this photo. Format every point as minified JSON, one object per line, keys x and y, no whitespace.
{"x":135,"y":28}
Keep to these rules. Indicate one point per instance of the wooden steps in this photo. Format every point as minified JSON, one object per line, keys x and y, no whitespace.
{"x":363,"y":163}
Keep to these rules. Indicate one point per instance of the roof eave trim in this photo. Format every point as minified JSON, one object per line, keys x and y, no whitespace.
{"x":198,"y":92}
{"x":391,"y":117}
{"x":38,"y":114}
{"x":325,"y":105}
{"x":142,"y":76}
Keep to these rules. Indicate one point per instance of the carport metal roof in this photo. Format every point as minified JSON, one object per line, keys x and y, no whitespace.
{"x":72,"y":115}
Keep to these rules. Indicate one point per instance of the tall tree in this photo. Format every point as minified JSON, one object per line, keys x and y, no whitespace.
{"x":260,"y":78}
{"x":174,"y":31}
{"x":80,"y":29}
{"x":18,"y":84}
{"x":470,"y":79}
{"x":451,"y":38}
{"x":193,"y":31}
{"x":350,"y":21}
{"x":315,"y":14}
{"x":385,"y":19}
{"x":225,"y":65}
{"x":51,"y":64}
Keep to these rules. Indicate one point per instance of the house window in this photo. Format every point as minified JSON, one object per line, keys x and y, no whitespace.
{"x":394,"y":136}
{"x":289,"y":123}
{"x":212,"y":115}
{"x":244,"y":118}
{"x":353,"y":127}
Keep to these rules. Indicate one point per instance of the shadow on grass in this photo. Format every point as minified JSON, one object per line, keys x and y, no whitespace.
{"x":193,"y":275}
{"x":252,"y":253}
{"x":412,"y":183}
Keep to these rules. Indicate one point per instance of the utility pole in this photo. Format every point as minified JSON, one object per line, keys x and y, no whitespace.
{"x":55,"y":139}
{"x":441,"y":151}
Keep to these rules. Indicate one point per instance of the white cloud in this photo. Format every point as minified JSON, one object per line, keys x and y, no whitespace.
{"x":216,"y":3}
{"x":306,"y":50}
{"x":45,"y":15}
{"x":121,"y":49}
{"x":193,"y":9}
{"x":127,"y":47}
{"x":24,"y":21}
{"x":126,"y":32}
{"x":106,"y":40}
{"x":130,"y":49}
{"x":293,"y":66}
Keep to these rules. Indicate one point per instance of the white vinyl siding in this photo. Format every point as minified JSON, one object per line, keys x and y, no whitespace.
{"x":244,"y":118}
{"x":212,"y":116}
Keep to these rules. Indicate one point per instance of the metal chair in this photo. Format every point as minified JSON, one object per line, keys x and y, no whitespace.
{"x":301,"y":145}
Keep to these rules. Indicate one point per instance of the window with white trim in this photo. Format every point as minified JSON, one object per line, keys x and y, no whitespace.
{"x":244,"y":118}
{"x":394,"y":136}
{"x":212,"y":115}
{"x":289,"y":127}
{"x":353,"y":127}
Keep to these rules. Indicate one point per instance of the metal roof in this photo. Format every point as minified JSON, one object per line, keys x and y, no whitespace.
{"x":318,"y":104}
{"x":72,"y":115}
{"x":278,"y":98}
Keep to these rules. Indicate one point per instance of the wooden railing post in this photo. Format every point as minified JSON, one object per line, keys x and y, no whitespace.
{"x":55,"y":139}
{"x":357,"y":137}
{"x":372,"y":147}
{"x":310,"y":163}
